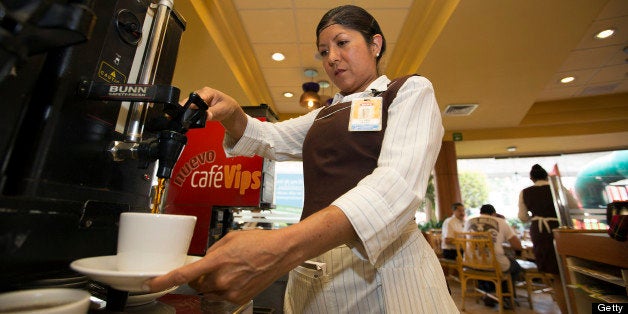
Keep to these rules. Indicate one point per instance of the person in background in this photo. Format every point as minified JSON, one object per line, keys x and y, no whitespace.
{"x":537,"y":200}
{"x":451,"y":225}
{"x":501,"y":232}
{"x":367,"y":158}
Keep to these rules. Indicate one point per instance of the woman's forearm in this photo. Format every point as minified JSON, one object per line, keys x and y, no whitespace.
{"x":320,"y":232}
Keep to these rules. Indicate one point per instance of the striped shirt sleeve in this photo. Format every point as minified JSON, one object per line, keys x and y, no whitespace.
{"x":282,"y":141}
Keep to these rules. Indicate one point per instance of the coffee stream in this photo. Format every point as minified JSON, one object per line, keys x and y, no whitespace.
{"x":159,"y":193}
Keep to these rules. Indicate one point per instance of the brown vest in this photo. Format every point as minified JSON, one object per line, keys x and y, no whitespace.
{"x":334,"y":159}
{"x":539,"y":201}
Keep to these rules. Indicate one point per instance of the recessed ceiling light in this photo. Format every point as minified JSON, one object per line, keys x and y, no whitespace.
{"x":567,"y":79}
{"x":323,"y":84}
{"x":512,"y":148}
{"x":605,"y":33}
{"x":310,"y":72}
{"x":278,"y":56}
{"x":288,"y":94}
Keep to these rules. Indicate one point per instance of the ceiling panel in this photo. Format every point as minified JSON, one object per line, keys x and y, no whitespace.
{"x":610,"y":74}
{"x":242,"y":5}
{"x":507,"y":56}
{"x":264,"y":30}
{"x":589,"y":58}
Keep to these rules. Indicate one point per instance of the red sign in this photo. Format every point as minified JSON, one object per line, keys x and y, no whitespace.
{"x":204,"y":177}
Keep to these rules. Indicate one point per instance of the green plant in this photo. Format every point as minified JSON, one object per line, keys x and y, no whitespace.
{"x":429,"y":225}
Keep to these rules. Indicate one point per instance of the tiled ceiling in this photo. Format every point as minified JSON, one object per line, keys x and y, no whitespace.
{"x":289,"y":27}
{"x":505,"y":56}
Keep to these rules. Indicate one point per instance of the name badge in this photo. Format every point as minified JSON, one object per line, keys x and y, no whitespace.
{"x":366,"y":114}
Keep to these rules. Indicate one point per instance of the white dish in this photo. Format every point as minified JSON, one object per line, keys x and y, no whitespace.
{"x":104,"y":269}
{"x":49,"y":301}
{"x":136,"y":299}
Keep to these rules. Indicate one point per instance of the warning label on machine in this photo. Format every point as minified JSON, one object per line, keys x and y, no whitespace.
{"x":110,"y":74}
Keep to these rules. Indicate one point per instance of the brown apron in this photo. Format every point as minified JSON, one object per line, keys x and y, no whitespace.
{"x":335,"y":159}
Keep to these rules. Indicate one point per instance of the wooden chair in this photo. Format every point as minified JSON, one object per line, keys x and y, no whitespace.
{"x":479,"y":263}
{"x":434,"y":237}
{"x":448,"y":265}
{"x":531,"y":273}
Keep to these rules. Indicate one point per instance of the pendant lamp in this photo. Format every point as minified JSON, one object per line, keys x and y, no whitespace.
{"x":310,"y":98}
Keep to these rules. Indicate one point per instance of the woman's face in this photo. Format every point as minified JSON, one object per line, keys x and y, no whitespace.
{"x":347,"y":58}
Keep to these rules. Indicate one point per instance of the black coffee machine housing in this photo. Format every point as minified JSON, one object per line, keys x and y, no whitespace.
{"x":79,"y":106}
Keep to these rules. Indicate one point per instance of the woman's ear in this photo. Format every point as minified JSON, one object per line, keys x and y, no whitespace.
{"x":376,"y":45}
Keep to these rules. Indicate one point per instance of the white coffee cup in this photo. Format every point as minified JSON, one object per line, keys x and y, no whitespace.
{"x":153,"y":242}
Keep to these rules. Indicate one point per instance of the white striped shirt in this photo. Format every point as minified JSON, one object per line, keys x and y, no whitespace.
{"x":383,"y":203}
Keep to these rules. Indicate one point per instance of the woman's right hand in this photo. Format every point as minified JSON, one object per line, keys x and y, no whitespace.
{"x":224,"y":109}
{"x":221,"y":105}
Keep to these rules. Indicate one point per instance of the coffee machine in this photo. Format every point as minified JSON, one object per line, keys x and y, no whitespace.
{"x":89,"y":119}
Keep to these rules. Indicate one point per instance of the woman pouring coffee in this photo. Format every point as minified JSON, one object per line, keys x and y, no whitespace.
{"x":367,"y":158}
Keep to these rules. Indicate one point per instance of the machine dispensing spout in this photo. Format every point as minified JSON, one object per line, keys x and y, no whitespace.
{"x":172,"y":126}
{"x":171,"y":142}
{"x":171,"y":139}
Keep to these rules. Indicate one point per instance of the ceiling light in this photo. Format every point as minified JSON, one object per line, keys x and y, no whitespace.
{"x":323,"y":84}
{"x":567,"y":79}
{"x":512,"y":148}
{"x":310,"y":98}
{"x":310,"y":72}
{"x":288,"y":94}
{"x":278,"y":56}
{"x":605,"y":33}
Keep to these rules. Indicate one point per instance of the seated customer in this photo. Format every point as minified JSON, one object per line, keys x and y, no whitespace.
{"x":451,"y":225}
{"x":501,"y":232}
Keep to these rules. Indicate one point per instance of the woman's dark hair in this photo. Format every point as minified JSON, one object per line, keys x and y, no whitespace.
{"x":538,"y":173}
{"x":487,"y":209}
{"x":356,"y":18}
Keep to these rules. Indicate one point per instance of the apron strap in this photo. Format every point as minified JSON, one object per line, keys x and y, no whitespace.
{"x":544,"y":222}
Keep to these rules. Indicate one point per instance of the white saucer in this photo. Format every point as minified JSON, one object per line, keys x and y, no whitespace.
{"x":104,"y":269}
{"x":137,"y":298}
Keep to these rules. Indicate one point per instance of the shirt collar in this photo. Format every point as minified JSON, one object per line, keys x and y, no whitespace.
{"x":379,"y":84}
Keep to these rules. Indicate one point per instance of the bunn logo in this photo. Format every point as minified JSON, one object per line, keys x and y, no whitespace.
{"x":128,"y":90}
